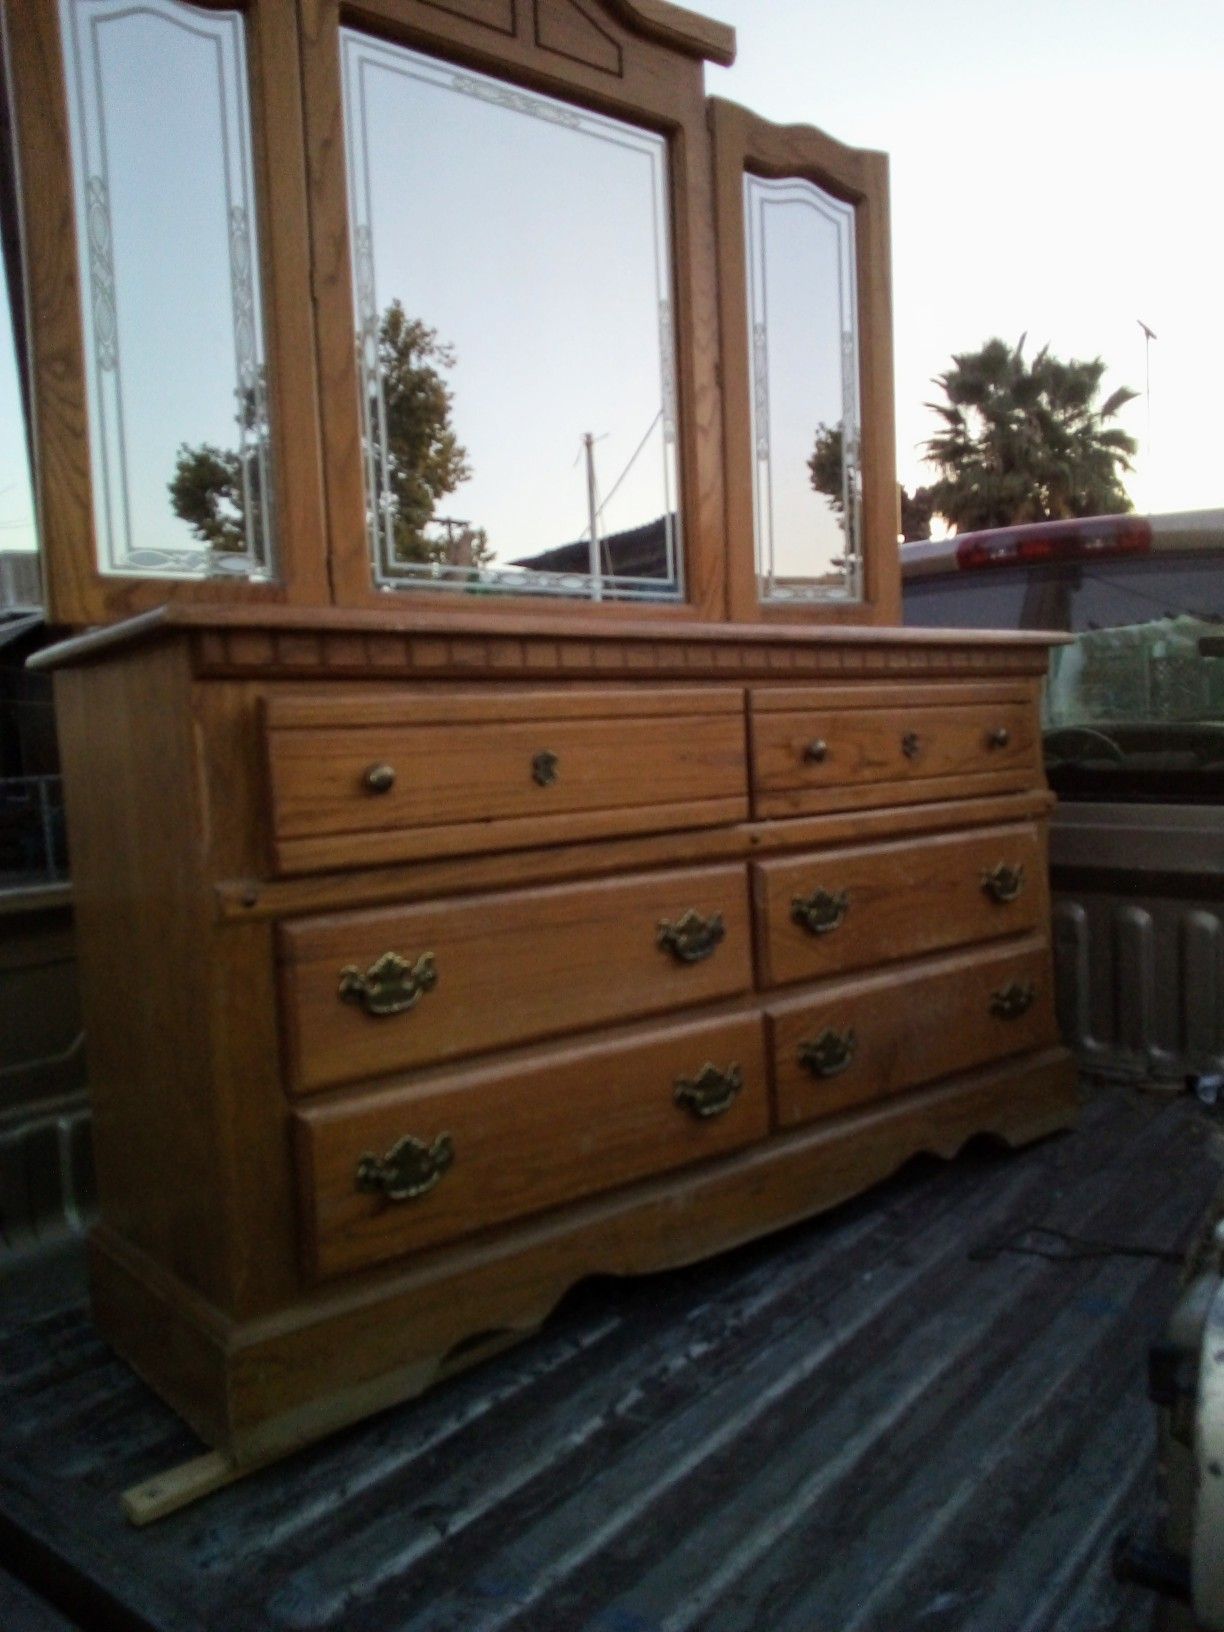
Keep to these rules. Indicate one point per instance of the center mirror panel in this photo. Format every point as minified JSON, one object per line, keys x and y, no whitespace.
{"x":515,"y":335}
{"x":803,"y":324}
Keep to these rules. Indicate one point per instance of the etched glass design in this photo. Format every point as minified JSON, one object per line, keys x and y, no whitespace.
{"x":515,"y":335}
{"x":803,"y":325}
{"x":169,"y":270}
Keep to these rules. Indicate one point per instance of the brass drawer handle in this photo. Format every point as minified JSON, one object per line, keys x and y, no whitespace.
{"x":821,"y":912}
{"x":1003,"y":883}
{"x":829,"y":1054}
{"x":1014,"y":1000}
{"x":816,"y":752}
{"x":544,"y":768}
{"x":692,"y":937}
{"x":410,"y":1169}
{"x":391,"y":984}
{"x":1000,"y":737}
{"x":710,"y":1092}
{"x":379,"y":779}
{"x":911,"y":745}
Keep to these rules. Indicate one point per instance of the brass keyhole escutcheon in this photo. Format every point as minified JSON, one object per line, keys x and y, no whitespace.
{"x":391,"y":984}
{"x":545,"y":768}
{"x":829,"y":1054}
{"x":911,"y":745}
{"x":711,"y":1092}
{"x":379,"y":779}
{"x":409,"y":1170}
{"x":1003,"y":883}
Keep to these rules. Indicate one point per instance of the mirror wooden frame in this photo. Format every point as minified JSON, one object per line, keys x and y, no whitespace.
{"x":77,"y":592}
{"x":619,"y":59}
{"x":639,"y":60}
{"x":744,"y":142}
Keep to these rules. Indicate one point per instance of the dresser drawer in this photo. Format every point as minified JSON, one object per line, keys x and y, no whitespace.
{"x":868,"y":1038}
{"x":370,"y":993}
{"x":810,"y":757}
{"x":846,"y":909}
{"x":390,"y":1173}
{"x":367,"y":778}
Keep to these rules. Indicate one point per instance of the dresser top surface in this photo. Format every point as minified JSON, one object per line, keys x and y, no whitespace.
{"x":184,"y":618}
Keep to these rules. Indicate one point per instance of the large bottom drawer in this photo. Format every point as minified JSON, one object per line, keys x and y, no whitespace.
{"x":864,"y":1039}
{"x":392,"y":1172}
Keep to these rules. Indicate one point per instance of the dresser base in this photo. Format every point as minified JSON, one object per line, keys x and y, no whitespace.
{"x":267,"y":1386}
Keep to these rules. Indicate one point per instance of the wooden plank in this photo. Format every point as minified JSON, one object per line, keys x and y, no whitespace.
{"x":1030,"y":646}
{"x":785,"y":699}
{"x":680,"y":28}
{"x":794,"y":802}
{"x":371,"y":849}
{"x":253,"y":897}
{"x":360,"y":707}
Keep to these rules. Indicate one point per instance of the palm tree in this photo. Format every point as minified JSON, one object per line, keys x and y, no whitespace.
{"x":1026,"y":442}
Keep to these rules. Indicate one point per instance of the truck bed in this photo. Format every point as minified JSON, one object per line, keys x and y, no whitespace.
{"x":911,"y":1413}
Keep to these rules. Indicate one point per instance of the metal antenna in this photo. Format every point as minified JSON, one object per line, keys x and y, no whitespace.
{"x":1148,"y":336}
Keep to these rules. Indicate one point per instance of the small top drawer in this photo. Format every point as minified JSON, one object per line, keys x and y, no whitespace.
{"x":366,"y":778}
{"x":396,"y":988}
{"x":807,"y":756}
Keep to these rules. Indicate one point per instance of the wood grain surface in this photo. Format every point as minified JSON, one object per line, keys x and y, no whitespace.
{"x":527,"y":1136}
{"x":510,"y":967}
{"x":909,"y":1025}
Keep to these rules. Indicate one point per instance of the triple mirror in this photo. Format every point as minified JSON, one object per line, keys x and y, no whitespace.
{"x":513,"y":328}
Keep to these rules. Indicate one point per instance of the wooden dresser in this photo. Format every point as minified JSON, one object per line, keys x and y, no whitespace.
{"x":512,"y":837}
{"x":420,"y":985}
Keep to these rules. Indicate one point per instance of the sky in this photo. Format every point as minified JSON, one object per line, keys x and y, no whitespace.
{"x":1055,"y":171}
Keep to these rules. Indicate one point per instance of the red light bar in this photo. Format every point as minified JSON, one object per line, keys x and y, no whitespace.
{"x":1076,"y":540}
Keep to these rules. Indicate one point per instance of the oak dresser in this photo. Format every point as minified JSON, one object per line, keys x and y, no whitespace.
{"x":468,"y":904}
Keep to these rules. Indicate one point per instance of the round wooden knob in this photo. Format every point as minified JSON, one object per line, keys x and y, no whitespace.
{"x":379,"y":779}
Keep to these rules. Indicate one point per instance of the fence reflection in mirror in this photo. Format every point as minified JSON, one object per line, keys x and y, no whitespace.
{"x":515,"y":332}
{"x":806,"y":419}
{"x":164,"y":197}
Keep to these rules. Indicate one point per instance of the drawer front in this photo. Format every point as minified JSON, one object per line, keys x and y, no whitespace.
{"x":865,"y":1039}
{"x":373,"y":781}
{"x":824,"y":759}
{"x":848,"y":909}
{"x":370,"y":993}
{"x":392,"y":1173}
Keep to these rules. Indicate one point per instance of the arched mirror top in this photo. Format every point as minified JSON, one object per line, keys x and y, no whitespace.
{"x":806,"y":322}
